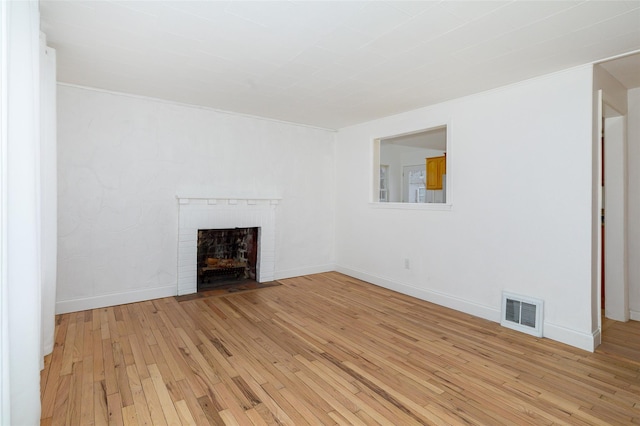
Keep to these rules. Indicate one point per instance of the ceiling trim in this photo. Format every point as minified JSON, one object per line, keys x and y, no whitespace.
{"x":622,"y":55}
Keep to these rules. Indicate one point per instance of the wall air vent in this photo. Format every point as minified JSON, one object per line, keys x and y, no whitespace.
{"x":522,"y":313}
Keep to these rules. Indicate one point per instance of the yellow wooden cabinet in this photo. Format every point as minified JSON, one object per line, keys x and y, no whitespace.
{"x":436,"y":167}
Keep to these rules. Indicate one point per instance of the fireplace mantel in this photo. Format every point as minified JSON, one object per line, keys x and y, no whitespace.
{"x":219,"y":212}
{"x":223,"y":199}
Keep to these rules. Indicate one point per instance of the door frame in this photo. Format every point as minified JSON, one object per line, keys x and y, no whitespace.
{"x":615,"y":286}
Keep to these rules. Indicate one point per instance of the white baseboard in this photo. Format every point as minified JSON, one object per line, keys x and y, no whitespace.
{"x":436,"y":297}
{"x":585,"y":341}
{"x":634,"y":315}
{"x":298,"y":272}
{"x":597,"y":339}
{"x":575,"y":338}
{"x":75,"y":305}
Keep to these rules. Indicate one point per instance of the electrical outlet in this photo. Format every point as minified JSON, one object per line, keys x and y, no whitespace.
{"x":407,"y":264}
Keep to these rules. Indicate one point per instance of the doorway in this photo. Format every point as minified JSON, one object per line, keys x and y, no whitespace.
{"x":414,"y":184}
{"x":614,"y":281}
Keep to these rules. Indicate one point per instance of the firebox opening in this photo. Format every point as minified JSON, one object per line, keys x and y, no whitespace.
{"x":226,"y":256}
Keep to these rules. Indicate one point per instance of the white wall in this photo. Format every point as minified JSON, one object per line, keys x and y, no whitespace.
{"x":121,"y":162}
{"x":519,"y":160}
{"x":633,"y":167}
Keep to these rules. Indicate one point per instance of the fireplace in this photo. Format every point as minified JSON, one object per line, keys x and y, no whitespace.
{"x":226,"y":256}
{"x":204,"y":213}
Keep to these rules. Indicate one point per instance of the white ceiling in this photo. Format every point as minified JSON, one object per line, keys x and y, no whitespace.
{"x":328,"y":63}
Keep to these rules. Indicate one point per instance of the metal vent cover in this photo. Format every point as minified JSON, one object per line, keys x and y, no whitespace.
{"x":522,"y":313}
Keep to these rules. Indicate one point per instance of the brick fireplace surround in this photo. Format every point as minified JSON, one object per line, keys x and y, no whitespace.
{"x":220,"y":213}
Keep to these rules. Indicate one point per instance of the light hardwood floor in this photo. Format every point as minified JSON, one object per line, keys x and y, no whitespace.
{"x":327,"y":349}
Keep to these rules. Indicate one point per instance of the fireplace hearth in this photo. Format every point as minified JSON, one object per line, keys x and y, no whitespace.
{"x":226,"y":256}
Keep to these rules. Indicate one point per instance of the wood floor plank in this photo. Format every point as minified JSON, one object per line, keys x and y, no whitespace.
{"x":110,"y":378}
{"x":210,"y":410}
{"x":69,"y":346}
{"x":114,"y":405}
{"x":271,"y":399}
{"x":397,"y":398}
{"x":367,"y":418}
{"x":97,"y":355}
{"x":229,"y":419}
{"x":61,"y":400}
{"x":129,"y":417}
{"x":86,"y":408}
{"x":121,"y":374}
{"x":185,"y":415}
{"x":231,"y":405}
{"x":191,"y":400}
{"x":55,"y":365}
{"x":216,"y":355}
{"x":44,"y":375}
{"x":255,"y":417}
{"x":138,"y":357}
{"x":327,"y":349}
{"x":286,"y":411}
{"x":101,"y":411}
{"x":197,"y":362}
{"x":165,"y":373}
{"x":301,"y":405}
{"x":139,"y":400}
{"x":168,"y":408}
{"x":74,"y":405}
{"x":153,"y":402}
{"x":325,"y":394}
{"x":143,"y":334}
{"x":112,"y":322}
{"x":78,"y":342}
{"x":174,"y":362}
